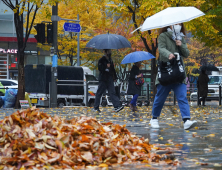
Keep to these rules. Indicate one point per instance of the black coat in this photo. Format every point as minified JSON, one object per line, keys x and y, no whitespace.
{"x":102,"y":66}
{"x":132,"y":87}
{"x":202,"y":84}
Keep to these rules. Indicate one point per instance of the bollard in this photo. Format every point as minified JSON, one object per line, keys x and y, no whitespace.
{"x":147,"y":91}
{"x":87,"y":93}
{"x":174,"y":99}
{"x":198,"y":97}
{"x":219,"y":95}
{"x":49,"y":94}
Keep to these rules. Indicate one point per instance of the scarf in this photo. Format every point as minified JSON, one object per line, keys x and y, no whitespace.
{"x":178,"y":36}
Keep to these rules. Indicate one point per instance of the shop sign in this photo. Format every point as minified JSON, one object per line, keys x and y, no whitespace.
{"x":14,"y":51}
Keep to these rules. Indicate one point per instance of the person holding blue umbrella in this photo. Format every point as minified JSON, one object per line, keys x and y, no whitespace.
{"x":134,"y":86}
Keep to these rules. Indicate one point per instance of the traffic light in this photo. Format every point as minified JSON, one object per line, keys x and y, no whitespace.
{"x":40,"y":37}
{"x":49,"y":34}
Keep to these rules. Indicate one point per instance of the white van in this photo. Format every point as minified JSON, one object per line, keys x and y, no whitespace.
{"x":213,"y":88}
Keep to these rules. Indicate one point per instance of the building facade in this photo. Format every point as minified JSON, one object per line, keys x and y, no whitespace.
{"x":8,"y":46}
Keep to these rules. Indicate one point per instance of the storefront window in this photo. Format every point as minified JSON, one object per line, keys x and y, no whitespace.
{"x":31,"y":59}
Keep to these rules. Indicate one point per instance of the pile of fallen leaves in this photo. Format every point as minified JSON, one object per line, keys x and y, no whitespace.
{"x":31,"y":139}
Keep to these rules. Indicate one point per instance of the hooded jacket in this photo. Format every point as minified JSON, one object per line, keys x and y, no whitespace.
{"x":104,"y":71}
{"x":166,"y":46}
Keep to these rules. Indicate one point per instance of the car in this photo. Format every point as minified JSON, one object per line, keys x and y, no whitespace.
{"x":211,"y":95}
{"x":213,"y":88}
{"x":9,"y":84}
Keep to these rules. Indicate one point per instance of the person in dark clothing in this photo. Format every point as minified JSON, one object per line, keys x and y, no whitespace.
{"x":134,"y":89}
{"x":107,"y":76}
{"x":202,"y":85}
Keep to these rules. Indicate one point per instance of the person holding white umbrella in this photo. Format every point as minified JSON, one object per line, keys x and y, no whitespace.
{"x":171,"y":40}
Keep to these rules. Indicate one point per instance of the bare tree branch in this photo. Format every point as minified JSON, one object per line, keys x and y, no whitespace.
{"x":9,"y":4}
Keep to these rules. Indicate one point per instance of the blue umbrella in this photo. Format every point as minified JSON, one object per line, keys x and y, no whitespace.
{"x":136,"y":57}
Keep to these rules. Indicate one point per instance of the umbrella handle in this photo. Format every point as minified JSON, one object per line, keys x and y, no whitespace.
{"x":174,"y":33}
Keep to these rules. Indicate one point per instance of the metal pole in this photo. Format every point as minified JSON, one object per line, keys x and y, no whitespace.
{"x":87,"y":94}
{"x":198,"y":97}
{"x":147,"y":91}
{"x":219,"y":95}
{"x":53,"y":93}
{"x":174,"y":98}
{"x":78,"y":62}
{"x":49,"y":94}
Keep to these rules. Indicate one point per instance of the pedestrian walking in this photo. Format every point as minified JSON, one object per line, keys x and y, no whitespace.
{"x":202,"y":85}
{"x":107,"y":77}
{"x":133,"y":88}
{"x":171,"y":40}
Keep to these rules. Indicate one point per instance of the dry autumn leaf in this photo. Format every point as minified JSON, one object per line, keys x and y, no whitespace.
{"x":30,"y":139}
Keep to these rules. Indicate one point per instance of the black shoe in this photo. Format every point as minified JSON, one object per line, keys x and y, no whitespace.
{"x":131,"y":107}
{"x":119,"y":108}
{"x":96,"y":110}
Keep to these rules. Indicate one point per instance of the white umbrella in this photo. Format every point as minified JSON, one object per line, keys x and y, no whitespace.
{"x":170,"y":16}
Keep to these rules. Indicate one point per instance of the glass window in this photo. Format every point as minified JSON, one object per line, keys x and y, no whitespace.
{"x":214,"y":80}
{"x":92,"y":78}
{"x":6,"y":83}
{"x":31,"y":59}
{"x":41,"y":59}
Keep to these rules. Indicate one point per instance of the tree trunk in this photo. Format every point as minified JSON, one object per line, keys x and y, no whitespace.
{"x":21,"y":81}
{"x":20,"y":55}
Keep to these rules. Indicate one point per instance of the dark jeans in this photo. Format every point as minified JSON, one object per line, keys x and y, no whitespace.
{"x":109,"y":85}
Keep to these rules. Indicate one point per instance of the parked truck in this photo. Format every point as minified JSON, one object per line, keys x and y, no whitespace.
{"x":38,"y":78}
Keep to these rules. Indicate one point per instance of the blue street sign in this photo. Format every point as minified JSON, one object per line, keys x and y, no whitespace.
{"x":72,"y":27}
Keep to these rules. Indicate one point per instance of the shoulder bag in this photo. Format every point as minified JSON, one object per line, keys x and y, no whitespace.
{"x":139,"y":81}
{"x":172,"y":71}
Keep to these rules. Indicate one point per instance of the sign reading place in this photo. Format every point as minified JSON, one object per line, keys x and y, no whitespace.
{"x":8,"y":50}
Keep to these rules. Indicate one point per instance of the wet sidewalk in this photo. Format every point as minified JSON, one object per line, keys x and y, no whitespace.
{"x":198,"y":148}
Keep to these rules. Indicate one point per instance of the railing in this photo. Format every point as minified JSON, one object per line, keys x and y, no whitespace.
{"x":147,"y":90}
{"x":86,"y":84}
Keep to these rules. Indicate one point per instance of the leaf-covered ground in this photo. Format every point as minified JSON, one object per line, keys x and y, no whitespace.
{"x":197,"y":148}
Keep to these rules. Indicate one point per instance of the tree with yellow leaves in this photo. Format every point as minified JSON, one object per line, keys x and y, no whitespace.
{"x":209,"y":29}
{"x":200,"y":54}
{"x":137,"y":11}
{"x":22,"y":8}
{"x":92,"y":17}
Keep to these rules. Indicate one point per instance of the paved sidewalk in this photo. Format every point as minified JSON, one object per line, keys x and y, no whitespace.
{"x":200,"y":148}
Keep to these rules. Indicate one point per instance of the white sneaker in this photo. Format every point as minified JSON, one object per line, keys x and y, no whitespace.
{"x":189,"y":124}
{"x":154,"y":123}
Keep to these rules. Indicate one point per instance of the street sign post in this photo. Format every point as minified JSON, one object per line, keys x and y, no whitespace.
{"x":72,"y":27}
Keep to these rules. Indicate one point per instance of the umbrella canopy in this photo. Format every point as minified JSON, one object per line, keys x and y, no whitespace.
{"x":170,"y":16}
{"x":209,"y":68}
{"x":136,"y":57}
{"x":108,"y":41}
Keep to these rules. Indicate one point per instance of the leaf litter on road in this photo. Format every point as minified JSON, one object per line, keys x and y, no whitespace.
{"x":32,"y":139}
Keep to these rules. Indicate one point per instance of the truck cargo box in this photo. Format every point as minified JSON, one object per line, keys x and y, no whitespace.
{"x":37,"y":78}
